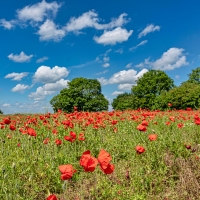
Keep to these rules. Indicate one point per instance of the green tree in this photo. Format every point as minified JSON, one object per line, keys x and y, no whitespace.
{"x":149,"y":86}
{"x":182,"y":97}
{"x":83,"y":93}
{"x":1,"y":112}
{"x":194,"y":76}
{"x":123,"y":102}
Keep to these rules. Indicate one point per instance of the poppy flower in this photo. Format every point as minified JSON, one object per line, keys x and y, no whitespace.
{"x":58,"y":142}
{"x":7,"y":121}
{"x":52,"y":197}
{"x":169,"y":104}
{"x":88,"y":162}
{"x":66,"y":171}
{"x":73,"y":135}
{"x":31,"y":132}
{"x":12,"y":127}
{"x":141,"y":127}
{"x":140,"y":149}
{"x":46,"y":141}
{"x":109,"y":168}
{"x":152,"y":137}
{"x":104,"y":158}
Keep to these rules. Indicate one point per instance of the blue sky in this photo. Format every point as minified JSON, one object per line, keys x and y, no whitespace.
{"x":45,"y":44}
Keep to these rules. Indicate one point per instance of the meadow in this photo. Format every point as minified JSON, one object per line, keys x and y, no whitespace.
{"x":118,"y":155}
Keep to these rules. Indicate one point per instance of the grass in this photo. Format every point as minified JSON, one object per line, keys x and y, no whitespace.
{"x":167,"y":169}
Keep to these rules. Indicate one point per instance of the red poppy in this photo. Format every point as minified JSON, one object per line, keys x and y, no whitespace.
{"x":140,"y":149}
{"x":152,"y":137}
{"x":109,"y":169}
{"x":46,"y":141}
{"x":73,"y":135}
{"x":88,"y":162}
{"x":7,"y":121}
{"x":104,"y":158}
{"x":66,"y":171}
{"x":169,"y":104}
{"x":140,"y":127}
{"x":12,"y":127}
{"x":52,"y":197}
{"x":180,"y":125}
{"x":31,"y":132}
{"x":81,"y":137}
{"x":58,"y":142}
{"x":144,"y":123}
{"x":68,"y":138}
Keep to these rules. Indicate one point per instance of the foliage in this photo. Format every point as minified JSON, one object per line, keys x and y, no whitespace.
{"x":83,"y":93}
{"x":123,"y":102}
{"x":194,"y":76}
{"x":149,"y":86}
{"x":1,"y":112}
{"x":182,"y":97}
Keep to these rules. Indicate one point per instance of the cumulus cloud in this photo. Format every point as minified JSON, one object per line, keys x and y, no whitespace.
{"x":125,"y":86}
{"x":49,"y":31}
{"x":37,"y":12}
{"x":129,"y":65}
{"x":40,"y":60}
{"x":20,"y":88}
{"x":106,"y":65}
{"x":118,"y":35}
{"x":6,"y":105}
{"x":149,"y":28}
{"x":48,"y":89}
{"x":16,"y":76}
{"x":123,"y":77}
{"x":22,"y":57}
{"x":7,"y":24}
{"x":90,"y":19}
{"x":45,"y":74}
{"x":115,"y":93}
{"x":138,"y":45}
{"x":171,"y":59}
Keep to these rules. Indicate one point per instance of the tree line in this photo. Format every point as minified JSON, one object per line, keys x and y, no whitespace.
{"x":154,"y":90}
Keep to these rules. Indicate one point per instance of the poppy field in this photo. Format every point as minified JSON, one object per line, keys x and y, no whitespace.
{"x":132,"y":154}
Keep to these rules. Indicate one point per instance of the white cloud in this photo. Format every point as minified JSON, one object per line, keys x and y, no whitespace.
{"x":125,"y":86}
{"x":40,"y":60}
{"x":120,"y":51}
{"x":37,"y":12}
{"x":48,"y":89}
{"x":22,"y":57}
{"x":45,"y":74}
{"x":171,"y":59}
{"x":16,"y":76}
{"x":129,"y":65}
{"x":7,"y":24}
{"x":118,"y":35}
{"x":124,"y":76}
{"x":177,"y":76}
{"x":20,"y":88}
{"x":106,"y":65}
{"x":90,"y":19}
{"x":49,"y":31}
{"x":103,"y":72}
{"x":106,"y":59}
{"x":150,"y":28}
{"x":140,"y":44}
{"x":6,"y":105}
{"x":115,"y":93}
{"x":57,"y":86}
{"x":40,"y":94}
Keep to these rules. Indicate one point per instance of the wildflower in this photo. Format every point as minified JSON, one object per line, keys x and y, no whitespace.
{"x":31,"y":132}
{"x":12,"y":127}
{"x":52,"y":197}
{"x":46,"y":141}
{"x":140,"y":149}
{"x":58,"y":142}
{"x":169,"y":104}
{"x":141,"y":127}
{"x":88,"y":162}
{"x":152,"y":137}
{"x":66,"y":171}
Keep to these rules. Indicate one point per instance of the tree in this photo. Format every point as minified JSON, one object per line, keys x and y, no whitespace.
{"x":83,"y":93}
{"x":149,"y":86}
{"x":123,"y":102}
{"x":1,"y":112}
{"x":182,"y":97}
{"x":194,"y":76}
